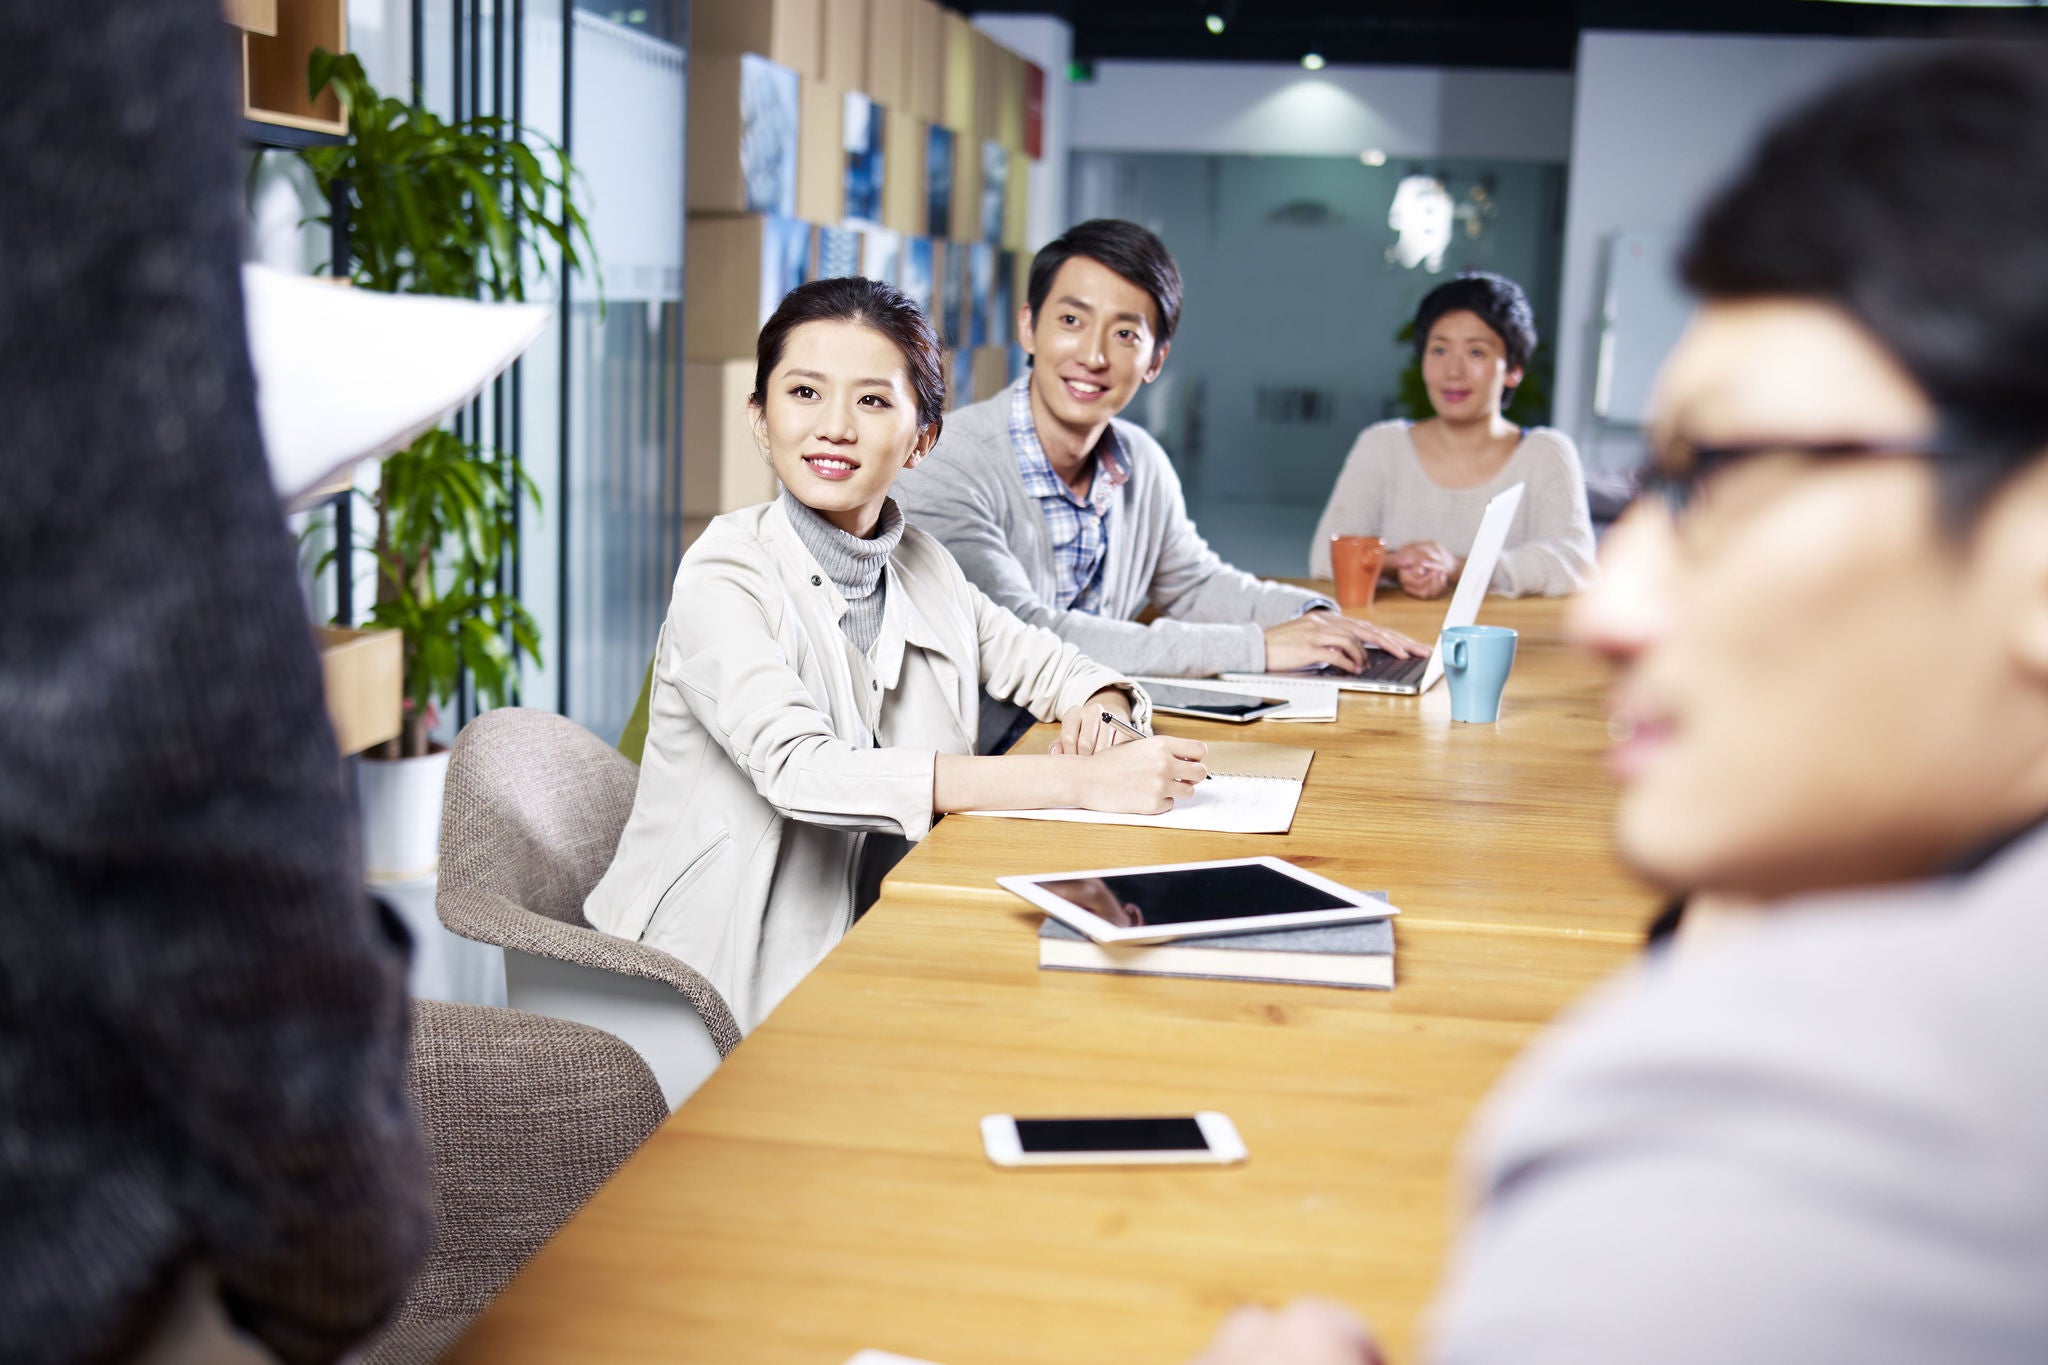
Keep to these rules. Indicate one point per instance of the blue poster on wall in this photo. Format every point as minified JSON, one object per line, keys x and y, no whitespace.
{"x":864,"y":166}
{"x":938,"y":168}
{"x":785,"y":260}
{"x":1002,"y":300}
{"x":981,"y":283}
{"x":768,"y":130}
{"x":952,"y":273}
{"x":838,"y":252}
{"x":995,"y":189}
{"x":915,"y":277}
{"x":881,"y":255}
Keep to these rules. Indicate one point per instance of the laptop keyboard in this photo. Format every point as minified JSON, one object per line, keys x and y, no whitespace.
{"x":1384,"y":667}
{"x":1380,"y":666}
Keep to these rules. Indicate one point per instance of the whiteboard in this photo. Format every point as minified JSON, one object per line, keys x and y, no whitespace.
{"x":1644,"y":311}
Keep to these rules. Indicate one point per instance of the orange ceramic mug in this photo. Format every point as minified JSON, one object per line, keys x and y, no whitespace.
{"x":1356,"y":562}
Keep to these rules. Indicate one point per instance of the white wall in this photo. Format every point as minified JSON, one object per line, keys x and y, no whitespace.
{"x":1049,"y":42}
{"x":1222,"y":107}
{"x":1660,"y":121}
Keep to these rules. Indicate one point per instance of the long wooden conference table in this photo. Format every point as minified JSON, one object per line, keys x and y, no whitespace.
{"x":826,"y":1190}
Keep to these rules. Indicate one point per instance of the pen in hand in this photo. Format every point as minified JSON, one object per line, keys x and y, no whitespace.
{"x":1120,"y":723}
{"x":1133,"y":731}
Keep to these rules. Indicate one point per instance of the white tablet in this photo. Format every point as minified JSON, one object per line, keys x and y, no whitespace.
{"x":1193,"y":900}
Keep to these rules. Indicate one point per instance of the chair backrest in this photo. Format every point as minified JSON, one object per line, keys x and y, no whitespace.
{"x":533,"y":810}
{"x":524,"y":1117}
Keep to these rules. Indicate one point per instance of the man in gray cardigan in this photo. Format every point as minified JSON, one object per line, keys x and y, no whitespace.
{"x":1074,"y":519}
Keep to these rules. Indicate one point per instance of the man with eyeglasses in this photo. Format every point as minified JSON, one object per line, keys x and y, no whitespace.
{"x":1814,"y":1128}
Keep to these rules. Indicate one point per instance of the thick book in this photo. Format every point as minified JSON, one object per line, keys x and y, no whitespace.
{"x":1357,"y":956}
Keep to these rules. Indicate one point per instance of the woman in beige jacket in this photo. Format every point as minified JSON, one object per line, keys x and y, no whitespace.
{"x":817,"y":681}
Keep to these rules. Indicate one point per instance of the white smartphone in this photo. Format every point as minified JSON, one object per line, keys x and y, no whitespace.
{"x":1207,"y":1138}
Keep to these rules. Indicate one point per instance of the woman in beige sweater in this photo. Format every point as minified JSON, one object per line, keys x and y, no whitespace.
{"x":819,"y":675}
{"x":1423,"y":486}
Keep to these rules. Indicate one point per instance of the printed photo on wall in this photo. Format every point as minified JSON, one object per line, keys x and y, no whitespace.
{"x":938,"y":170}
{"x":768,"y":130}
{"x":881,"y":255}
{"x":995,"y":189}
{"x":981,"y":282}
{"x":1002,"y":300}
{"x":838,"y":252}
{"x":864,"y":166}
{"x":785,"y":259}
{"x":960,"y":383}
{"x":952,"y":272}
{"x":915,"y":277}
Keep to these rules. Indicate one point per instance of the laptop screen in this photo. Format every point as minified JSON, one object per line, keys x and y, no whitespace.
{"x":1486,"y":546}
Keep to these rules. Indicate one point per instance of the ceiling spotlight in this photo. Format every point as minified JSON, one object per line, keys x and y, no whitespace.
{"x":1373,"y":157}
{"x":1313,"y":61}
{"x":1214,"y":23}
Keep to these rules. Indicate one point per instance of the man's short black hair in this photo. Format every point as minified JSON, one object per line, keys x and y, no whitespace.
{"x":1134,"y":252}
{"x":1915,"y":197}
{"x":1497,"y":301}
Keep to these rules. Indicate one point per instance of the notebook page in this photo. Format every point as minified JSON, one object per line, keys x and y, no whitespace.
{"x":1225,"y":804}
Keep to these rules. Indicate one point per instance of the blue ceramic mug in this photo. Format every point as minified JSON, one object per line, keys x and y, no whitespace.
{"x":1476,"y":664}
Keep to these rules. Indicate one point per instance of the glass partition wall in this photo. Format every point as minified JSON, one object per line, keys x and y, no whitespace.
{"x":594,"y":410}
{"x":1301,"y":274}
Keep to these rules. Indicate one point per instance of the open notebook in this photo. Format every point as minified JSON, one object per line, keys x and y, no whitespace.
{"x":1252,"y":789}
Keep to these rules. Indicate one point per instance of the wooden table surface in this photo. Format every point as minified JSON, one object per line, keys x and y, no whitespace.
{"x":1491,"y":827}
{"x":826,"y":1189}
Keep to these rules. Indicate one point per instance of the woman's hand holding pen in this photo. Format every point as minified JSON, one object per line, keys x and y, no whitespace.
{"x":1140,"y":776}
{"x":1096,"y":724}
{"x":1129,"y":771}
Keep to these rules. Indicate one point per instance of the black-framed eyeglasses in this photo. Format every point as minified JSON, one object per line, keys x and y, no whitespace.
{"x":1678,"y":491}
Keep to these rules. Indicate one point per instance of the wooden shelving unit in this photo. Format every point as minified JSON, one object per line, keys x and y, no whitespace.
{"x":274,"y":62}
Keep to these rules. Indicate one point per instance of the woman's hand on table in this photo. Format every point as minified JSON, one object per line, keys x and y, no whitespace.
{"x":1424,"y":569}
{"x":1306,"y":1332}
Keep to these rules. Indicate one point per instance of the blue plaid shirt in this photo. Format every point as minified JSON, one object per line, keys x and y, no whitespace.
{"x":1078,"y":526}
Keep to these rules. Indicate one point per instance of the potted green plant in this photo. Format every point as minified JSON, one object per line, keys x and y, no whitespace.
{"x":461,"y":210}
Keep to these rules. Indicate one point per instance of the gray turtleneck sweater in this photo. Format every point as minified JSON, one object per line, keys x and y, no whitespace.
{"x":853,"y":564}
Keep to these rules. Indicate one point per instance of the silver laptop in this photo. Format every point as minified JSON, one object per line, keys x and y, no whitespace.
{"x":1412,"y":677}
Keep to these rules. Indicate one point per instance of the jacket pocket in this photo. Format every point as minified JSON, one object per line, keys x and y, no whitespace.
{"x":671,"y":900}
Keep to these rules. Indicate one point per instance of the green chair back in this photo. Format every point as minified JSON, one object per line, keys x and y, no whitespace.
{"x":633,"y":741}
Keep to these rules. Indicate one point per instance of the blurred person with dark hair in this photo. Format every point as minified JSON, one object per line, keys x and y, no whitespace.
{"x":206,"y":1150}
{"x":1814,"y":1128}
{"x":1073,"y":518}
{"x":1423,"y":486}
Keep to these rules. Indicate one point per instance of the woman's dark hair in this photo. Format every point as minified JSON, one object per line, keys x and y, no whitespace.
{"x":871,"y":303}
{"x":1131,"y":251}
{"x":1914,"y":197}
{"x":1495,"y":299}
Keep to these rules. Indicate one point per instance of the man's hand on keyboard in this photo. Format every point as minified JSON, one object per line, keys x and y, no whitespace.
{"x":1325,"y":638}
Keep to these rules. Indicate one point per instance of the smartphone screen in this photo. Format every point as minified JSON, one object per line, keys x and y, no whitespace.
{"x":1042,"y":1136}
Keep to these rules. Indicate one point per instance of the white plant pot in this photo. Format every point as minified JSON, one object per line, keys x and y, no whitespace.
{"x":399,"y":800}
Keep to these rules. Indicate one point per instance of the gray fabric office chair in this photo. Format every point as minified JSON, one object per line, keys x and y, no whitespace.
{"x":533,"y":810}
{"x":524,"y":1118}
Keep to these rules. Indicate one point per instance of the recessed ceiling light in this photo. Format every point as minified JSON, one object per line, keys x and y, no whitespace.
{"x":1313,"y":61}
{"x":1214,"y":23}
{"x":1373,"y":156}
